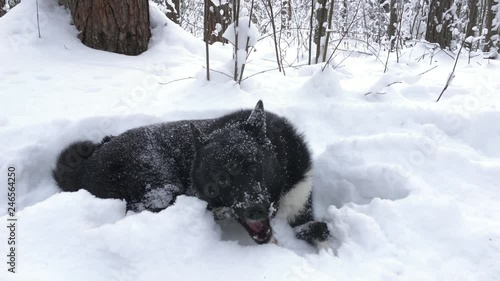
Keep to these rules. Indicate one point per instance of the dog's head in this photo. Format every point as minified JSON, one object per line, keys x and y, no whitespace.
{"x":234,"y":167}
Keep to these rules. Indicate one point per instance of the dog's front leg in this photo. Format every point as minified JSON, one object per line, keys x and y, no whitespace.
{"x":313,"y":232}
{"x":307,"y":229}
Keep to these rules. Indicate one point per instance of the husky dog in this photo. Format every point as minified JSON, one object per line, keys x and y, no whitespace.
{"x":249,"y":165}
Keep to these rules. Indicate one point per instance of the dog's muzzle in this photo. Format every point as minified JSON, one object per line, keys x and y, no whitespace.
{"x":256,"y":220}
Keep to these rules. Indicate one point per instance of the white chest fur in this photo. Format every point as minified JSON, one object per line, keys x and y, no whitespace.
{"x":294,"y":201}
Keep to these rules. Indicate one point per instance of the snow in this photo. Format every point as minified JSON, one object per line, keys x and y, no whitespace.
{"x":219,"y":3}
{"x":242,"y":35}
{"x":157,"y":198}
{"x":410,"y":186}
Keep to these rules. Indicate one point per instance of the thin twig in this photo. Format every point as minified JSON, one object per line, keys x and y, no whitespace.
{"x":367,"y":45}
{"x":207,"y":38}
{"x":387,"y":59}
{"x":261,"y":72}
{"x":311,"y":31}
{"x":176,"y":80}
{"x":396,"y":82}
{"x":378,"y":93}
{"x":220,"y":72}
{"x":342,"y":38}
{"x":452,"y":74}
{"x":428,"y":70}
{"x":399,"y":31}
{"x":236,"y":7}
{"x":247,"y":43}
{"x":273,"y":25}
{"x":383,"y":93}
{"x":38,"y":20}
{"x":272,"y":69}
{"x":343,"y":60}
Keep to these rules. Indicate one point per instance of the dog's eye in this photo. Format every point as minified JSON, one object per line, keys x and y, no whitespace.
{"x":222,"y":181}
{"x":253,"y":168}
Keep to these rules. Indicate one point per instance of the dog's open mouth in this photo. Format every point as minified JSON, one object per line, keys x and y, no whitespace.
{"x":260,"y":231}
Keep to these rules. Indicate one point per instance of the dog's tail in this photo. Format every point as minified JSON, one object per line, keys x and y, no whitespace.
{"x":70,"y":165}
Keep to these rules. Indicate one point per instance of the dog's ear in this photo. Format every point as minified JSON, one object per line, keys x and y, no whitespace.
{"x":199,"y":139}
{"x":256,"y":122}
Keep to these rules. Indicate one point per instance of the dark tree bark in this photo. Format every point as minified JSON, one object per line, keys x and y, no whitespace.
{"x":2,"y":4}
{"x":174,"y":12}
{"x":321,"y":17}
{"x":206,"y":35}
{"x":120,"y":26}
{"x":219,"y":18}
{"x":488,"y":25}
{"x":329,"y":22}
{"x":473,"y":12}
{"x":12,"y":4}
{"x":311,"y":24}
{"x":391,"y":27}
{"x":286,"y":15}
{"x":438,"y":23}
{"x":344,"y":13}
{"x":385,"y":5}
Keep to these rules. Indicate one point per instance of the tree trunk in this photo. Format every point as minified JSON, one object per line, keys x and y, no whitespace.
{"x":344,"y":14}
{"x":173,"y":12}
{"x":2,"y":4}
{"x":481,"y":21}
{"x":286,"y":17}
{"x":321,"y":16}
{"x":472,"y":18}
{"x":488,"y":26}
{"x":438,"y":23}
{"x":391,"y":27}
{"x":311,"y":24}
{"x":329,"y":22}
{"x":219,"y":18}
{"x":120,"y":26}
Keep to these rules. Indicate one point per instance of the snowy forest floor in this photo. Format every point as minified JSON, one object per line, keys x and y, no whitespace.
{"x":411,"y":187}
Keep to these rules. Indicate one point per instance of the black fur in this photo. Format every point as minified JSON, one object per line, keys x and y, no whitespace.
{"x":242,"y":164}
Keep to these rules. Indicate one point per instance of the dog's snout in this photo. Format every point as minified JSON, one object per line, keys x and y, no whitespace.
{"x":256,"y":212}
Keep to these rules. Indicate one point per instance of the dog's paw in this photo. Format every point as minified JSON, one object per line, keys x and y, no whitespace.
{"x":313,"y":232}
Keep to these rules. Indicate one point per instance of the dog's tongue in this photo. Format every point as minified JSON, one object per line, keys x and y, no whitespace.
{"x":256,"y":226}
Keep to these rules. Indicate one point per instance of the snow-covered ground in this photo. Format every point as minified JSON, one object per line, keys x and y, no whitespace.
{"x":411,"y":187}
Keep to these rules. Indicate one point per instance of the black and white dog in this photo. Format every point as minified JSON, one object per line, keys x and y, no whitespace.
{"x":250,"y":165}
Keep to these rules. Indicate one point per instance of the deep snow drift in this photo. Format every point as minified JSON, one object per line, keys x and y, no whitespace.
{"x":410,"y":186}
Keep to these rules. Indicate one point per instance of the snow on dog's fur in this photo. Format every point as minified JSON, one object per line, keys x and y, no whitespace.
{"x":249,"y":165}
